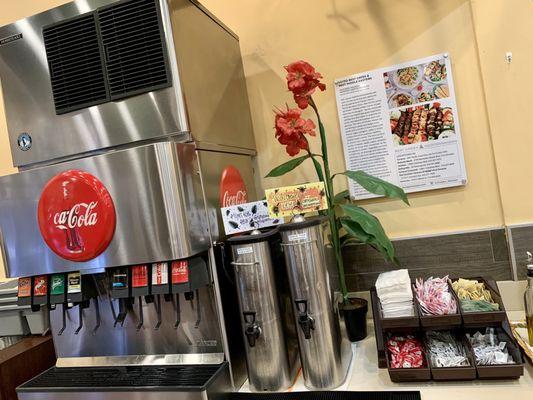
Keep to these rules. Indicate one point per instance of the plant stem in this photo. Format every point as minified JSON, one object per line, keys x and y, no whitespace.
{"x":333,"y":223}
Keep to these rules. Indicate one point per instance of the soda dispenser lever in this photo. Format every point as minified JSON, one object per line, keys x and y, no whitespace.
{"x":64,"y":310}
{"x":80,"y":317}
{"x":157,"y":305}
{"x":97,"y":314}
{"x":306,"y":322}
{"x":141,"y":316}
{"x":252,"y":331}
{"x":178,"y":311}
{"x":198,"y":310}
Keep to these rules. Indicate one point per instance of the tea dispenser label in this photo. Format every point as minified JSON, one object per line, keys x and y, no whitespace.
{"x":247,"y":217}
{"x":299,"y":199}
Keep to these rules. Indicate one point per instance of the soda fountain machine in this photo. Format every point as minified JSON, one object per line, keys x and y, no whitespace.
{"x":124,"y":117}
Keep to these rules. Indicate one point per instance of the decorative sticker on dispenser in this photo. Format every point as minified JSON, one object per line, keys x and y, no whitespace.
{"x":57,"y":284}
{"x":24,"y":287}
{"x":160,"y":273}
{"x":247,"y":217}
{"x":180,"y":271}
{"x":40,"y":285}
{"x":76,"y":216}
{"x":139,"y":276}
{"x":232,"y":187}
{"x":299,"y":199}
{"x":74,"y":282}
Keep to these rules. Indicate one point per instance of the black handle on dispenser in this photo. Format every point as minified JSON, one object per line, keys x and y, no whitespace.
{"x":306,"y":322}
{"x":252,"y":330}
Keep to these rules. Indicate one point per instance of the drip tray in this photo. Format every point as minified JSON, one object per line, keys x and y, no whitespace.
{"x":400,"y":395}
{"x":59,"y":383}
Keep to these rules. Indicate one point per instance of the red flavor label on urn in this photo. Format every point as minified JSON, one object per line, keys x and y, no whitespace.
{"x":40,"y":285}
{"x":160,"y":273}
{"x":232,"y":188}
{"x":76,"y":216}
{"x":180,"y":271}
{"x":139,"y":276}
{"x":24,"y":287}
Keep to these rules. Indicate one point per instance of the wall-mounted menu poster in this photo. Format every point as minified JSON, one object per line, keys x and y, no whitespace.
{"x":400,"y":124}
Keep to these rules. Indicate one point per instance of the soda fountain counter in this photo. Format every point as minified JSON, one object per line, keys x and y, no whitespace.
{"x":122,"y":133}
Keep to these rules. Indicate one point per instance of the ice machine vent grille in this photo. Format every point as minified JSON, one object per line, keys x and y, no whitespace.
{"x":75,"y":64}
{"x":134,"y":50}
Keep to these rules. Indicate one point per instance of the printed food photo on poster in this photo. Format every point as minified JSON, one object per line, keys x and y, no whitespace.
{"x":416,"y":84}
{"x":422,"y":123}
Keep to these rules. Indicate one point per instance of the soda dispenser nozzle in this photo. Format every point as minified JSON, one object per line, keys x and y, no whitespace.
{"x":141,"y":316}
{"x":178,"y":311}
{"x":97,"y":312}
{"x":198,"y":310}
{"x":306,"y":322}
{"x":157,"y":305}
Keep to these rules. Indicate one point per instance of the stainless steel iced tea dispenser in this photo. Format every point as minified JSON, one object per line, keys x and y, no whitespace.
{"x":269,"y":358}
{"x":318,"y":330}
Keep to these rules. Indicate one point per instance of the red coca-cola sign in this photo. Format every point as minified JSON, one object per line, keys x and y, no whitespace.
{"x":232,"y":188}
{"x":76,"y":215}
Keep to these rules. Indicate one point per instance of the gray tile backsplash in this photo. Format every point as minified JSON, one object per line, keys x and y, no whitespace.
{"x":464,"y":254}
{"x":522,"y":241}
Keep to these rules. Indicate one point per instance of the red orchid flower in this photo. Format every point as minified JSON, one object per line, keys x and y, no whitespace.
{"x":302,"y":81}
{"x":291,"y":128}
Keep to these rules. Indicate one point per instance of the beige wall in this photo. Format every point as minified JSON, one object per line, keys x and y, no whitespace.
{"x":342,"y":37}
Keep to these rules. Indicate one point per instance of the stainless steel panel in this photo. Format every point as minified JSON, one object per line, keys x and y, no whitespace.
{"x":30,"y":108}
{"x":212,"y":77}
{"x":196,"y":340}
{"x":212,"y":163}
{"x":158,"y":199}
{"x":320,"y":352}
{"x":266,"y":357}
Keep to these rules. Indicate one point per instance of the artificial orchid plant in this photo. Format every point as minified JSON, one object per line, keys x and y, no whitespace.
{"x":348,"y":222}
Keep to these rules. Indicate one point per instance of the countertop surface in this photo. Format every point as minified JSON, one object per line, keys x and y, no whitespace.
{"x":367,"y":376}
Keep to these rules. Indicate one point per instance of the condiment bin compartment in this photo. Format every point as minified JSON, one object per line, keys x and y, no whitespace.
{"x":440,"y":322}
{"x":484,"y":318}
{"x":502,"y":371}
{"x":397,"y":323}
{"x":454,"y":373}
{"x":407,"y":374}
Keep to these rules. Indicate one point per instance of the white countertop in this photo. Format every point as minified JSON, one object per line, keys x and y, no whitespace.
{"x":367,"y":376}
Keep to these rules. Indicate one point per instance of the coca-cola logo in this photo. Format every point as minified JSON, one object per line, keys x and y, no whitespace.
{"x":76,"y":215}
{"x":81,"y":214}
{"x":232,"y":188}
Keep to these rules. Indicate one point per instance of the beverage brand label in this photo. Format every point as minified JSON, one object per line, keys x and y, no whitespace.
{"x":180,"y":271}
{"x":244,"y":250}
{"x":74,"y":282}
{"x":57,"y":284}
{"x":299,"y":199}
{"x":232,"y":188}
{"x":40,"y":285}
{"x":160,"y":273}
{"x":76,"y":215}
{"x":298,"y":237}
{"x":24,"y":287}
{"x":247,"y":217}
{"x":139,"y":276}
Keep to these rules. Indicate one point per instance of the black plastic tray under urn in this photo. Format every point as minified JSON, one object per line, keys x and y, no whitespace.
{"x":340,"y":395}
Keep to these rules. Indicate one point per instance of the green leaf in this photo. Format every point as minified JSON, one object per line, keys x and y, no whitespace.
{"x":318,"y":169}
{"x":286,"y":167}
{"x":371,"y":226}
{"x":377,"y":186}
{"x":341,"y":196}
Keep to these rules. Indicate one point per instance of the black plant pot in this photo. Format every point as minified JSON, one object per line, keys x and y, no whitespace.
{"x":354,"y":311}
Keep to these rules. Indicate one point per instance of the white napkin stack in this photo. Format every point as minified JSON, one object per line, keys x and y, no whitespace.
{"x":395,"y":294}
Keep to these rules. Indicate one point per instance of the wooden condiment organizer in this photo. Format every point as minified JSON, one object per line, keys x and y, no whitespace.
{"x":460,"y":323}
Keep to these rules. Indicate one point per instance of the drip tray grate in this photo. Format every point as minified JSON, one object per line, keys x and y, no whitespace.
{"x":399,"y":395}
{"x":188,"y":377}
